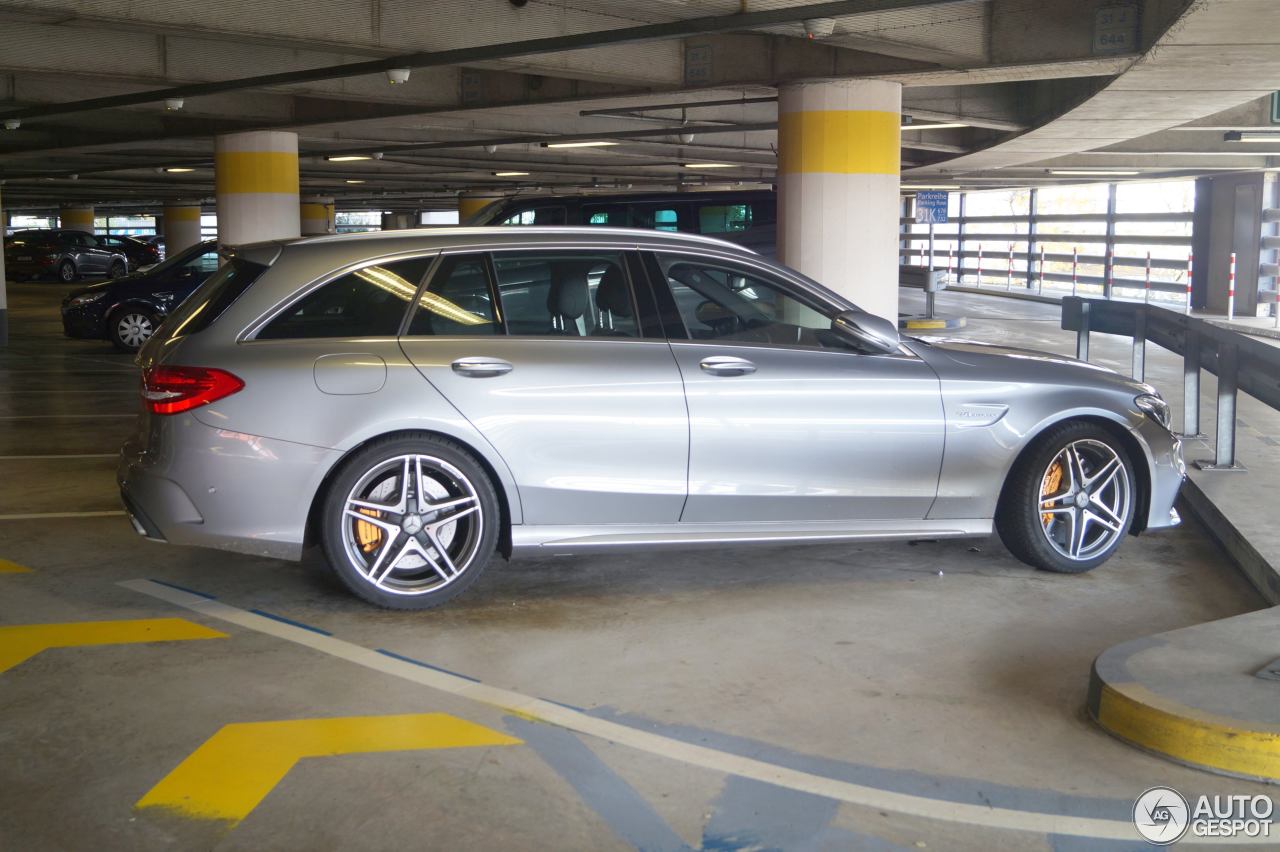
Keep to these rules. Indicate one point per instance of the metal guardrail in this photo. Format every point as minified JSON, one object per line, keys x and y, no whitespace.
{"x":1240,"y":362}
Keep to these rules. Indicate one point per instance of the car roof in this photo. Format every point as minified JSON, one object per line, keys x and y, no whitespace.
{"x":412,"y":238}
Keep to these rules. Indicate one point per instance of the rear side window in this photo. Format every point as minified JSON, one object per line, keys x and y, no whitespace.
{"x":566,"y":293}
{"x":367,"y":302}
{"x":213,"y":297}
{"x":458,"y":300}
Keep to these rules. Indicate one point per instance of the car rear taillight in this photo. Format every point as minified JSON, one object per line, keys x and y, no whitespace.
{"x":173,"y":390}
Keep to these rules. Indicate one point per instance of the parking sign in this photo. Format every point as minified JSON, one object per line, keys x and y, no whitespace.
{"x":931,"y":207}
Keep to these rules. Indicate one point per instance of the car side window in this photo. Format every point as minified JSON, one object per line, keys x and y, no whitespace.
{"x":366,"y":302}
{"x":458,"y":300}
{"x":203,"y":264}
{"x":566,"y":293}
{"x":722,"y":302}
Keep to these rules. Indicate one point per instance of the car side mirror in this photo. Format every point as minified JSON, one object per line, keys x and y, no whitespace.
{"x":866,"y":331}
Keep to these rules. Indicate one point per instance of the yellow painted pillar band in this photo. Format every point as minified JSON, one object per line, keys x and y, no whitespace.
{"x":182,"y":214}
{"x":76,"y":218}
{"x":256,"y":171}
{"x":469,"y":204}
{"x":181,"y":227}
{"x":317,"y":215}
{"x":840,"y":142}
{"x":256,"y":179}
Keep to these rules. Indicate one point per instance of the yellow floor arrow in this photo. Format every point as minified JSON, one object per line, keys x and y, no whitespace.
{"x":22,"y":642}
{"x":237,"y":767}
{"x":7,"y":567}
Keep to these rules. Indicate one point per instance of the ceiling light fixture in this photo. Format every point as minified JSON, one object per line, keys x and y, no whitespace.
{"x":12,"y":123}
{"x":1093,"y":172}
{"x":708,"y":165}
{"x":177,"y":169}
{"x":510,"y":174}
{"x":599,"y":143}
{"x":173,"y":104}
{"x":347,"y":158}
{"x":352,"y":180}
{"x":396,"y":76}
{"x":930,"y":186}
{"x":939,"y":126}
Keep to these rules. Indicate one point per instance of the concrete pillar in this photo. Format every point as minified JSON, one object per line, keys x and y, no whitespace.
{"x":399,"y":221}
{"x":838,"y":172}
{"x":256,"y":181}
{"x":181,"y":227}
{"x":317,"y":214}
{"x":1227,"y":218}
{"x":76,"y":217}
{"x":470,"y":203}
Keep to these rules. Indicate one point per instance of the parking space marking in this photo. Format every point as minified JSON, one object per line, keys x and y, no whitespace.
{"x":1037,"y":822}
{"x":65,"y":416}
{"x":41,"y":516}
{"x":234,"y":770}
{"x":22,"y":642}
{"x":61,"y":456}
{"x":7,"y":567}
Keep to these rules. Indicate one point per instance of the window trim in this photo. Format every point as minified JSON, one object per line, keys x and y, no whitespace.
{"x":250,"y":334}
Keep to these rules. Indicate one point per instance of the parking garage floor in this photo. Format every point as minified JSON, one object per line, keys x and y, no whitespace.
{"x":846,"y":697}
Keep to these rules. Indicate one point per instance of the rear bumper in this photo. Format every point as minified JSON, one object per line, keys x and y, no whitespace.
{"x":188,"y":483}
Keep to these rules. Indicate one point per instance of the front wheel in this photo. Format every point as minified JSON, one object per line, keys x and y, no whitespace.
{"x":118,"y":269}
{"x":66,"y":272}
{"x":410,"y":522}
{"x":1069,"y":501}
{"x":131,"y":328}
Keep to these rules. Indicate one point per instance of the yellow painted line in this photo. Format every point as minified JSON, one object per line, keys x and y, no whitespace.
{"x":22,"y":642}
{"x":926,"y":324}
{"x":256,"y":171}
{"x":1137,"y":715}
{"x":7,"y":567}
{"x":237,"y":767}
{"x":839,"y":142}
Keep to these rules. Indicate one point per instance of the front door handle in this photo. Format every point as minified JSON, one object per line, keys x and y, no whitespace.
{"x":481,"y":367}
{"x":727,"y":365}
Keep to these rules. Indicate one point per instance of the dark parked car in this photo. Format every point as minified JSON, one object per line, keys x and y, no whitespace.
{"x":128,"y":310}
{"x":139,"y":253}
{"x":156,"y":240}
{"x":62,"y":254}
{"x":748,"y":218}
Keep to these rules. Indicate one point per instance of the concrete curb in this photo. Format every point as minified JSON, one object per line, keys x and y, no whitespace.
{"x":1264,"y":576}
{"x":1192,"y":696}
{"x":938,"y":323}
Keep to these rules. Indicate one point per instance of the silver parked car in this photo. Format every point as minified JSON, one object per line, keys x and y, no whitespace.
{"x":415,"y":401}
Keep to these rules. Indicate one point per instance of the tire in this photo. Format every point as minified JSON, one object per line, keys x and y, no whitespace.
{"x":118,"y":269}
{"x":66,"y":272}
{"x":393,"y":559}
{"x":130,"y":328}
{"x":1040,"y":516}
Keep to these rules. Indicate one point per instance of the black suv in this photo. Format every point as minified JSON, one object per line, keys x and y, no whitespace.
{"x":128,"y":310}
{"x":61,"y":254}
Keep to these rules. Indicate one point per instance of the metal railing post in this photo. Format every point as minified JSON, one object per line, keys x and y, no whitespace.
{"x":1139,"y":343}
{"x":1109,"y":262}
{"x":1082,"y":336}
{"x":1031,"y":235}
{"x":1191,"y":386}
{"x":1224,"y":439}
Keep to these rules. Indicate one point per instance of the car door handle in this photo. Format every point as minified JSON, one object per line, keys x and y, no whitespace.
{"x":727,"y":365}
{"x":481,"y":367}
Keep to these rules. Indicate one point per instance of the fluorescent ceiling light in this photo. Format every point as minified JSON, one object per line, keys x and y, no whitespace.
{"x":176,"y":169}
{"x":709,"y":165}
{"x":942,"y":126}
{"x":1092,"y":172}
{"x":354,"y":181}
{"x":510,"y":174}
{"x":348,"y":158}
{"x":929,"y":186}
{"x":593,"y":144}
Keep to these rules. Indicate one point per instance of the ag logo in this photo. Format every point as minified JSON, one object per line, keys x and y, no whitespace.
{"x":1161,"y":815}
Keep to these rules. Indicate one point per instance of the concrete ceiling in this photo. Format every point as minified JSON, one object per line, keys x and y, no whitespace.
{"x":1025,"y":76}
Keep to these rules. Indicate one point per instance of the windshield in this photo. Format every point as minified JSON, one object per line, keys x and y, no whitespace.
{"x":182,"y":257}
{"x":32,"y":238}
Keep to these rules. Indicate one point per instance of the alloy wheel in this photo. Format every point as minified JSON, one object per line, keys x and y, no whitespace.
{"x":1084,"y":499}
{"x":412,"y":524}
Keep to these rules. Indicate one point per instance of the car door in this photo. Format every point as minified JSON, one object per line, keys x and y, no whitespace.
{"x":787,"y":422}
{"x":545,"y":352}
{"x":93,"y":256}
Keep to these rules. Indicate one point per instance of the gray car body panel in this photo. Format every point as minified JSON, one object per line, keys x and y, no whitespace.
{"x":612,"y":443}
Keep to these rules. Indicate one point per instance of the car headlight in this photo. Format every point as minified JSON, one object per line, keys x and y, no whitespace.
{"x":167,"y":298}
{"x":1155,"y":408}
{"x":86,"y":298}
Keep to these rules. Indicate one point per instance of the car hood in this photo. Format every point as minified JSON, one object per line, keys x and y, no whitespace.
{"x":958,"y":358}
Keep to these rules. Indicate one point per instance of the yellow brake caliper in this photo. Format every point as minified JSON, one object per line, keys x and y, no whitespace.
{"x":367,"y":534}
{"x":1052,"y":480}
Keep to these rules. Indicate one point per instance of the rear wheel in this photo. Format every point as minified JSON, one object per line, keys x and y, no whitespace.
{"x":1069,"y":500}
{"x":118,"y":269}
{"x":66,"y":272}
{"x":410,"y":522}
{"x":130,"y":328}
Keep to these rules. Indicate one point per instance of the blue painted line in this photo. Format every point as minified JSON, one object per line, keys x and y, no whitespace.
{"x":750,"y":814}
{"x":625,"y":811}
{"x":284,"y":620}
{"x":403,"y":658}
{"x":184,"y":589}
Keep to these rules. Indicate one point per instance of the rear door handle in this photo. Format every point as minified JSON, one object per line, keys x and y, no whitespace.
{"x":481,"y":367}
{"x":727,"y":365}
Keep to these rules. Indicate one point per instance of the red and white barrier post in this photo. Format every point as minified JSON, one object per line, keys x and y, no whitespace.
{"x":979,"y":284}
{"x":1146,"y":287}
{"x":1190,"y":266}
{"x":1040,"y":278}
{"x":1111,"y":273}
{"x":949,"y":257}
{"x":1231,"y":289}
{"x":1008,"y":281}
{"x":1075,"y":266}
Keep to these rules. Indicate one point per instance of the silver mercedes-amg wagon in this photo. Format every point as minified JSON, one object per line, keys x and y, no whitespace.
{"x":417,"y":401}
